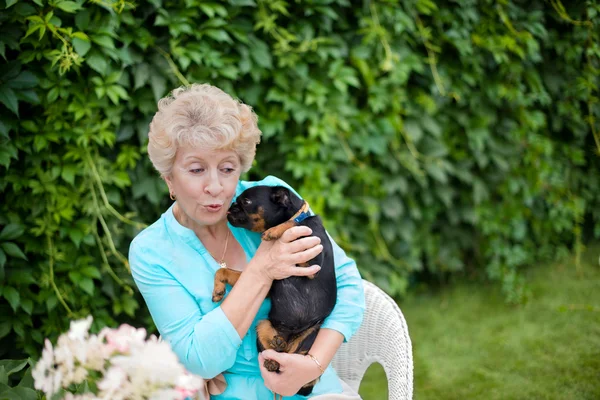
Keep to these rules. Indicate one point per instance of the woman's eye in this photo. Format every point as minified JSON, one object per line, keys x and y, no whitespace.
{"x":228,"y":170}
{"x":196,"y":170}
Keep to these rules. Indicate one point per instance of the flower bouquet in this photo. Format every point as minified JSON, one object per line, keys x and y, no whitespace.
{"x":116,"y":364}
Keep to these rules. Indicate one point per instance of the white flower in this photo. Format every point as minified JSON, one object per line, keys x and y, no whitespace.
{"x":43,"y":372}
{"x":190,"y":382}
{"x":113,"y":379}
{"x":79,"y":329}
{"x":127,"y":366}
{"x":165,"y":394}
{"x":188,"y":385}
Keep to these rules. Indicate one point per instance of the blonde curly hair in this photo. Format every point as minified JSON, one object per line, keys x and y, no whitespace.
{"x":201,"y":115}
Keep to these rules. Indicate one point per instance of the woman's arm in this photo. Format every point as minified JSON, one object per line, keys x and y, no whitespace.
{"x":207,"y":343}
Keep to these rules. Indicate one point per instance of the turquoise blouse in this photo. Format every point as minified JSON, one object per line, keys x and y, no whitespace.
{"x":174,"y":273}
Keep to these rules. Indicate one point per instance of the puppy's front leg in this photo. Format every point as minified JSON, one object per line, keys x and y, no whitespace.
{"x":275,"y":232}
{"x":223,"y":276}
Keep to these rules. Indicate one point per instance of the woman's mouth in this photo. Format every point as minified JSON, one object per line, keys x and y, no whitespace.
{"x":214,"y":207}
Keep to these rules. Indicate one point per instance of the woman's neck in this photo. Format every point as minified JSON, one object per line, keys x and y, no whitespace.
{"x":216,"y":231}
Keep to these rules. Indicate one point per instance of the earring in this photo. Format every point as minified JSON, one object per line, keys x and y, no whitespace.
{"x":172,"y":196}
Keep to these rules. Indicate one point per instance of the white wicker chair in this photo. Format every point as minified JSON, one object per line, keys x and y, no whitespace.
{"x":383,"y":338}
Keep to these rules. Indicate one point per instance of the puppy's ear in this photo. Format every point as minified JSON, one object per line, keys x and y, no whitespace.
{"x":281,"y":196}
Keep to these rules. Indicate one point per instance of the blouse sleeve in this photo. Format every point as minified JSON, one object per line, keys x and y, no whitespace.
{"x":347,"y":315}
{"x":207,"y":343}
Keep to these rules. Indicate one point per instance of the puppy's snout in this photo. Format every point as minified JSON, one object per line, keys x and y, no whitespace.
{"x":234,"y":209}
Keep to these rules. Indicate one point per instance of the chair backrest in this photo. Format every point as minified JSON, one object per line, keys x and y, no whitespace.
{"x":383,"y":338}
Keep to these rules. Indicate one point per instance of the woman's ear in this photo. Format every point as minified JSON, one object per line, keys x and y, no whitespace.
{"x":280,"y":195}
{"x":169,"y":182}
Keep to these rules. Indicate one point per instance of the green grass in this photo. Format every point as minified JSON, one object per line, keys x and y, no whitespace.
{"x":469,"y":344}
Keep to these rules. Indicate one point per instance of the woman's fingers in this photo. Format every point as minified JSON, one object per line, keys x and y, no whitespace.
{"x":304,"y":244}
{"x":306,"y":255}
{"x":294,"y":233}
{"x":302,"y":271}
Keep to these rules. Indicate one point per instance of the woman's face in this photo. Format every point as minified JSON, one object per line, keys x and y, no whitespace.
{"x":204,"y":182}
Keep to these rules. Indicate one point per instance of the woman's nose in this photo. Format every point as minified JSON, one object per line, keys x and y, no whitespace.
{"x":214,"y":187}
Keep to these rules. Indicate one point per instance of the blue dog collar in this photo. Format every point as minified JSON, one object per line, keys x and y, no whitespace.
{"x":301,"y":217}
{"x":301,"y":214}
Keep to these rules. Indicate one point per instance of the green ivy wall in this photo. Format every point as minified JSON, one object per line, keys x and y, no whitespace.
{"x":435,"y":138}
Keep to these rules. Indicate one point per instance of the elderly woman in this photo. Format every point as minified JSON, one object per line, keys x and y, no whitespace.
{"x":200,"y":141}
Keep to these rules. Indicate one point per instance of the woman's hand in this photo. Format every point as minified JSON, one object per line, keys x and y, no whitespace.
{"x":295,"y":371}
{"x":277,"y":259}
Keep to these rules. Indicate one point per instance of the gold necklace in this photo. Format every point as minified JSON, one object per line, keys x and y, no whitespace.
{"x":222,"y":263}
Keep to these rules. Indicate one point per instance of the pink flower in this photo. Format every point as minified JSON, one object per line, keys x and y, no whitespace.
{"x":185,"y":393}
{"x":123,"y":338}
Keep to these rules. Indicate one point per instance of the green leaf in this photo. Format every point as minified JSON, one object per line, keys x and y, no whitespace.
{"x":25,"y":393}
{"x":92,"y":272}
{"x":12,"y":295}
{"x":24,"y":80}
{"x":68,"y":173}
{"x":13,"y":250}
{"x":4,"y":381}
{"x":436,"y":171}
{"x":27,"y":305}
{"x":159,"y":86}
{"x":104,"y":41}
{"x":87,"y":285}
{"x":5,"y":328}
{"x":11,"y":231}
{"x":12,"y":366}
{"x":98,"y":63}
{"x":9,"y":99}
{"x":10,"y":394}
{"x":51,"y":302}
{"x":413,"y":130}
{"x":28,"y":96}
{"x":10,"y":3}
{"x":68,"y":6}
{"x":81,"y":46}
{"x":25,"y":9}
{"x":82,"y":19}
{"x":2,"y":259}
{"x":219,"y":35}
{"x":76,"y":235}
{"x":4,"y":129}
{"x":392,"y":207}
{"x":27,"y":380}
{"x":141,"y":74}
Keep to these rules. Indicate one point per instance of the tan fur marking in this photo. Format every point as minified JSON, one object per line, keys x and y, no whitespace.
{"x":265,"y":333}
{"x":295,"y":343}
{"x":258,"y":220}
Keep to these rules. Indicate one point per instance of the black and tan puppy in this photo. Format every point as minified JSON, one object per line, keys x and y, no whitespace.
{"x":299,"y":305}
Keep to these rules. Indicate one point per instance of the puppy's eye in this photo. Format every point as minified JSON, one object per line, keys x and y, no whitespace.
{"x":247,"y":202}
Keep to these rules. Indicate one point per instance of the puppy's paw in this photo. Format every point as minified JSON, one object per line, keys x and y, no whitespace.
{"x":268,"y":236}
{"x":271,"y":365}
{"x":278,"y":344}
{"x":217,"y":295}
